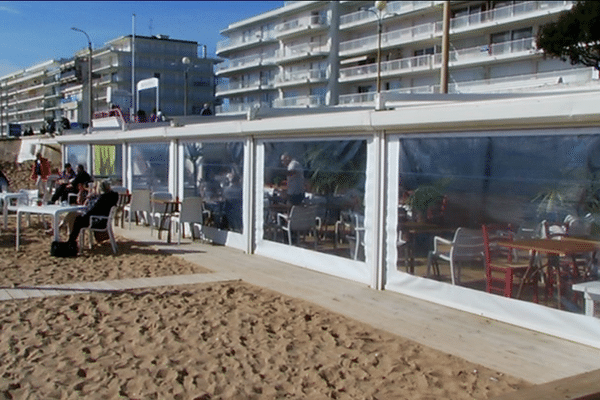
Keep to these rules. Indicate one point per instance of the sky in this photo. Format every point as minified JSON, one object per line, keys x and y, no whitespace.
{"x":32,"y":32}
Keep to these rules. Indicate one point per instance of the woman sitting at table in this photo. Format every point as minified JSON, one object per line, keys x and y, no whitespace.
{"x":108,"y":198}
{"x":84,"y":198}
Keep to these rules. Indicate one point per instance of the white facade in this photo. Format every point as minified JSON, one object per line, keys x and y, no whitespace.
{"x":315,"y":53}
{"x":59,"y":89}
{"x":535,"y":138}
{"x":30,"y":97}
{"x":180,"y":83}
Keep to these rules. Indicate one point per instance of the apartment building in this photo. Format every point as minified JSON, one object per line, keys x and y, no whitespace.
{"x":60,"y":89}
{"x":30,"y":97}
{"x":315,"y":53}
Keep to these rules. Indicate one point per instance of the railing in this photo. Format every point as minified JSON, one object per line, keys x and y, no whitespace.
{"x":238,"y":108}
{"x":407,"y":35}
{"x":511,"y":11}
{"x":497,"y":85}
{"x":296,"y":76}
{"x":394,"y":7}
{"x":228,"y":86}
{"x":242,"y":40}
{"x":301,"y":50}
{"x":300,"y":101}
{"x":433,"y":61}
{"x":301,"y":23}
{"x":248,"y":61}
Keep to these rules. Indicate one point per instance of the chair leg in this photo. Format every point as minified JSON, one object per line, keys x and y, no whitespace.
{"x":113,"y":242}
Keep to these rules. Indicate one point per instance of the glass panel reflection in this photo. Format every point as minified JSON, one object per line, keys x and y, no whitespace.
{"x":213,"y":172}
{"x":108,"y":163}
{"x":521,"y":189}
{"x":314,"y":195}
{"x":77,"y":154}
{"x":150,"y":166}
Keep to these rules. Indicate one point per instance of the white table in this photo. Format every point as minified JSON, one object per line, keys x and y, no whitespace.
{"x":591,"y":293}
{"x":6,"y":198}
{"x":53,"y":210}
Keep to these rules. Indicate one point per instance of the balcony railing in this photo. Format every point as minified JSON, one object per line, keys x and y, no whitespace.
{"x":300,"y":101}
{"x":301,"y":24}
{"x":423,"y":31}
{"x":503,"y":13}
{"x":303,"y":76}
{"x":498,"y":85}
{"x":239,"y":108}
{"x":302,"y":50}
{"x":463,"y":56}
{"x":241,"y":41}
{"x":230,"y":86}
{"x":394,"y":7}
{"x":249,"y":61}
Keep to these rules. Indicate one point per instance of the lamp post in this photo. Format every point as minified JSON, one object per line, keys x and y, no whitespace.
{"x":380,"y":6}
{"x":186,"y":62}
{"x":89,"y":73}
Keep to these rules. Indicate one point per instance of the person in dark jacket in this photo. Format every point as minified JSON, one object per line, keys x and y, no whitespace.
{"x":82,"y":178}
{"x":108,"y":198}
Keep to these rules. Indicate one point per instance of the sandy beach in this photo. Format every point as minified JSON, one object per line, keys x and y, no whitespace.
{"x":228,"y":340}
{"x":205,"y":341}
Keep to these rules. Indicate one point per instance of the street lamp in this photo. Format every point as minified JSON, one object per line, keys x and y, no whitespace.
{"x":89,"y":72}
{"x":185,"y":61}
{"x":380,"y":6}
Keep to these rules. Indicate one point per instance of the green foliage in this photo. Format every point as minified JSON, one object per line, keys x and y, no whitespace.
{"x":336,"y":166}
{"x":426,"y":196}
{"x":575,"y":36}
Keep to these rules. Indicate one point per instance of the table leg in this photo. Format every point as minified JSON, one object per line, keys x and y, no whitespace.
{"x":5,"y":213}
{"x":18,"y":230}
{"x":531,"y":271}
{"x":56,"y":228}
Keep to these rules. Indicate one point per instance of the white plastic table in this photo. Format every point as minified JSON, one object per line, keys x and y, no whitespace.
{"x":6,"y":197}
{"x":53,"y":210}
{"x":591,"y":293}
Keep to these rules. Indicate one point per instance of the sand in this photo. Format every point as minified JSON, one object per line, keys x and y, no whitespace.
{"x":205,"y":341}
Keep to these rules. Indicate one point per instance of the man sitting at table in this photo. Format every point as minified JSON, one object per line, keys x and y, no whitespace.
{"x":108,"y":198}
{"x":73,"y":185}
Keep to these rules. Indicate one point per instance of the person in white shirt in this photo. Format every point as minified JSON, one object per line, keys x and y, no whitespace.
{"x":295,"y":179}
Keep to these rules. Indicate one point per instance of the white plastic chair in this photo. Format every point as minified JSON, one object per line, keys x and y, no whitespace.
{"x":192,"y":214}
{"x":466,"y":246}
{"x":100,"y":223}
{"x":301,"y":219}
{"x":138,"y":207}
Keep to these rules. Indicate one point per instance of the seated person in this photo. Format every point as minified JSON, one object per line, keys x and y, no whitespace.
{"x":72,"y":185}
{"x":63,"y":180}
{"x":84,"y":198}
{"x":108,"y":198}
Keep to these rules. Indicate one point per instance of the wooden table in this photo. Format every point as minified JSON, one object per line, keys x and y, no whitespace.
{"x":563,"y":247}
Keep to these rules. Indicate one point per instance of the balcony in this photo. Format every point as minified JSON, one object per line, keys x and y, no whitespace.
{"x":239,"y":108}
{"x":224,"y":89}
{"x":473,"y":55}
{"x":396,"y":7}
{"x":300,"y":101}
{"x":389,"y":39}
{"x":302,"y":77}
{"x":242,"y":63}
{"x":507,"y":14}
{"x":461,"y":24}
{"x":242,"y":42}
{"x":302,"y":51}
{"x":301,"y":26}
{"x":548,"y":80}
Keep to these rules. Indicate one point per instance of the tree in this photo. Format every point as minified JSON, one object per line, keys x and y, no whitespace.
{"x":575,"y":36}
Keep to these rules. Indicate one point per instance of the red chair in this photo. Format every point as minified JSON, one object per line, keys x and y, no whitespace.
{"x":500,"y":270}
